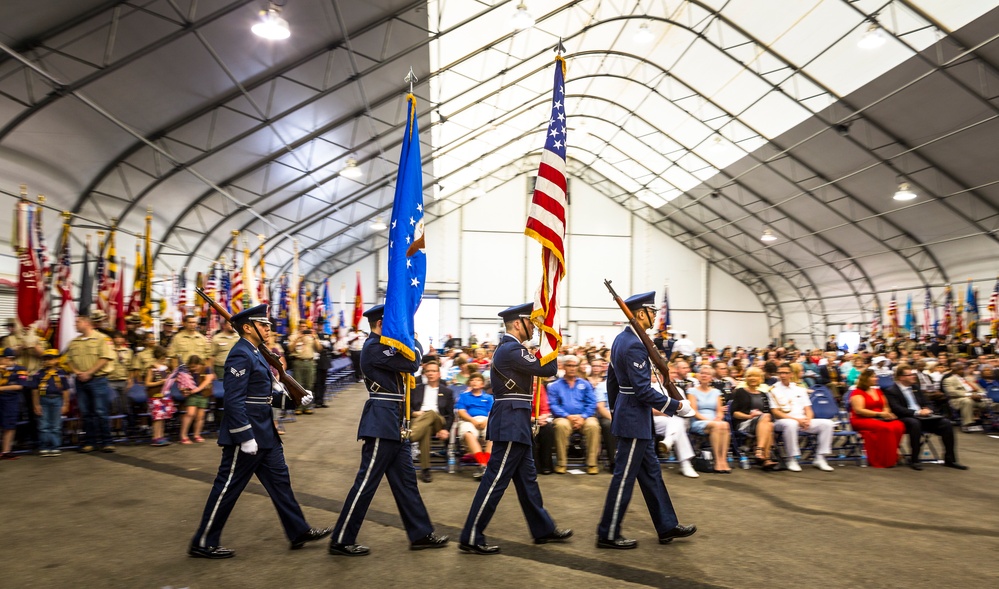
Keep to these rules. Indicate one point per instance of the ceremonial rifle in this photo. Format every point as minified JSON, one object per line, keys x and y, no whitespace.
{"x":658,"y":361}
{"x":295,"y":390}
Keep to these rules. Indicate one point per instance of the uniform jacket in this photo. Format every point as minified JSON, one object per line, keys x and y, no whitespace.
{"x":15,"y":375}
{"x":383,"y":368}
{"x":510,"y":419}
{"x":629,"y":385}
{"x":445,"y":402}
{"x":248,"y":389}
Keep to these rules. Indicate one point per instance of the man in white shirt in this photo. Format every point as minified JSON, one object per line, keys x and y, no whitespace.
{"x":433,"y":414}
{"x":683,"y":347}
{"x":792,"y":412}
{"x":965,"y":396}
{"x":673,"y":429}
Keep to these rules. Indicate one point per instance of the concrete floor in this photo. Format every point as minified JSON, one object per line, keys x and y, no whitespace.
{"x":124,"y":520}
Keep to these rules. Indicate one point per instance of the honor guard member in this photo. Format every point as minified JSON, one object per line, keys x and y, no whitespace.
{"x":511,"y":373}
{"x":250,"y":444}
{"x":384,"y":451}
{"x":633,"y":399}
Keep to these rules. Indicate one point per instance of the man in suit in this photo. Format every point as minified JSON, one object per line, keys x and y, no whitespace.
{"x":384,"y":452}
{"x":512,"y":458}
{"x":630,"y":391}
{"x":433,"y":414}
{"x":250,"y":444}
{"x":908,"y":403}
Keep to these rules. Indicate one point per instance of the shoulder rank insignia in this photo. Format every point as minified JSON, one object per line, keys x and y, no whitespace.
{"x":237,"y":373}
{"x":528,"y":355}
{"x":639,"y":366}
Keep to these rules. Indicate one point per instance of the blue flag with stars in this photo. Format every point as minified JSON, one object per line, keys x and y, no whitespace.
{"x":407,"y":262}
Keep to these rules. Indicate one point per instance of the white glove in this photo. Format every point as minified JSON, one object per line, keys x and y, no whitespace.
{"x":308,"y":398}
{"x":685,"y":410}
{"x":248,"y":447}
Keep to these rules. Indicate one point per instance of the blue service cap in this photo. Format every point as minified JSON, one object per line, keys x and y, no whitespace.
{"x":646,"y":299}
{"x":256,"y":314}
{"x":517,"y":312}
{"x":374,"y":313}
{"x":9,"y":353}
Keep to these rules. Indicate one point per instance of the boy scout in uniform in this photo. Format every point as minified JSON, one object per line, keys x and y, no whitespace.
{"x":189,"y":342}
{"x":222,"y":342}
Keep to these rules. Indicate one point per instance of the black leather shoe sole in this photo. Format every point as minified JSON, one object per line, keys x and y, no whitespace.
{"x":617,"y":544}
{"x":210,"y":554}
{"x":678,"y":532}
{"x":349,"y":550}
{"x":955,"y":465}
{"x":484,"y":550}
{"x":556,"y":536}
{"x":310,"y":536}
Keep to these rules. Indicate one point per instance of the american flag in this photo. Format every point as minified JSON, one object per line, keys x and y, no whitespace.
{"x":876,"y":320}
{"x":893,"y":316}
{"x":64,"y":282}
{"x":182,"y":292}
{"x":663,"y":324}
{"x":927,"y":303}
{"x":546,"y":221}
{"x":212,"y":285}
{"x":236,"y":293}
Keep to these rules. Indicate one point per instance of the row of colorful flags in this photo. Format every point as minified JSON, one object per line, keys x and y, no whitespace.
{"x":233,"y":282}
{"x":960,"y":317}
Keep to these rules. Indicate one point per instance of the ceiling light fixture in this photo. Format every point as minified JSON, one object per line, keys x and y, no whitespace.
{"x":904,"y":192}
{"x":768,"y":235}
{"x":271,"y":25}
{"x":351,"y":170}
{"x":378,"y":224}
{"x":874,"y":37}
{"x":522,"y":19}
{"x":644,"y":36}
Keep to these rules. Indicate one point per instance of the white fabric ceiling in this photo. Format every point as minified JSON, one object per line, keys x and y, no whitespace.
{"x":112,"y":107}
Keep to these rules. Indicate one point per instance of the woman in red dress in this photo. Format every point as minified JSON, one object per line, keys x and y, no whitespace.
{"x":880,"y":428}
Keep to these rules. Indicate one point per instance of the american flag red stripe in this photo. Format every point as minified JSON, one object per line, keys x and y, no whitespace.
{"x":893,"y":316}
{"x":994,"y":308}
{"x":237,"y":284}
{"x":546,"y":221}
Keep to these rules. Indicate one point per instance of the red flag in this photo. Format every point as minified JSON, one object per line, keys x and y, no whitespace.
{"x":358,"y":310}
{"x":28,"y":289}
{"x":546,"y":221}
{"x":118,"y":297}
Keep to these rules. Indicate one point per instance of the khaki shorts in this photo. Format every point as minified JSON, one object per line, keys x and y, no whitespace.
{"x":469,"y":427}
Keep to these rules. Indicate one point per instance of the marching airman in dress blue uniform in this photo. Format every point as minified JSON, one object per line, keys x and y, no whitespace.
{"x":250,"y":444}
{"x":511,"y":372}
{"x":384,"y":451}
{"x":633,"y":399}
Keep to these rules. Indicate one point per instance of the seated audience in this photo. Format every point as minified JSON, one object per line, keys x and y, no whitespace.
{"x":433,"y":404}
{"x":989,"y":383}
{"x":792,"y":412}
{"x":709,"y":417}
{"x":965,"y":396}
{"x":598,"y":378}
{"x":573,"y":406}
{"x":871,"y":415}
{"x":751,"y":416}
{"x":913,"y":410}
{"x":473,"y":408}
{"x":673,"y":430}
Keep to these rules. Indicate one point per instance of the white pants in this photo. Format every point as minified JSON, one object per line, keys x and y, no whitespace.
{"x":823,"y":428}
{"x":674,"y":432}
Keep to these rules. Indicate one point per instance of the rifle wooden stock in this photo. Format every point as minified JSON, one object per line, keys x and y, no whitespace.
{"x":295,"y":390}
{"x":658,"y":361}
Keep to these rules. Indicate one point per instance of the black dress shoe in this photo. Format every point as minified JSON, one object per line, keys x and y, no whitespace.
{"x":349,"y":549}
{"x":915,"y":466}
{"x":545,"y":471}
{"x":557,"y":535}
{"x":478,"y":549}
{"x":619,"y":543}
{"x":677,"y":532}
{"x":310,"y":536}
{"x":214,"y":552}
{"x":956,"y":465}
{"x":431,"y":540}
{"x":426,"y":476}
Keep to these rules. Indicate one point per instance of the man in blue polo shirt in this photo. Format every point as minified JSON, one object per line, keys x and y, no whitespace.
{"x":473,"y":407}
{"x":573,"y":405}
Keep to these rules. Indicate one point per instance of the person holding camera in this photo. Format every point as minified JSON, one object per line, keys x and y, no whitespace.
{"x":871,"y":415}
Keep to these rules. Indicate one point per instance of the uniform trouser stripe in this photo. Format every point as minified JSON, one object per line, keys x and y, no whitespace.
{"x":620,"y":491}
{"x":485,"y":500}
{"x":211,"y":518}
{"x":367,"y":475}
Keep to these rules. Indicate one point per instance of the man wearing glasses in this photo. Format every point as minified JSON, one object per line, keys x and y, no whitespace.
{"x":909,"y":404}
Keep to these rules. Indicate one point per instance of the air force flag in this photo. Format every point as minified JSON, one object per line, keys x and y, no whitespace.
{"x":407,"y":262}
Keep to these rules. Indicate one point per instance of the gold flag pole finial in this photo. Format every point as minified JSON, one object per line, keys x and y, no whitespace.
{"x":24,"y":191}
{"x":41,"y":199}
